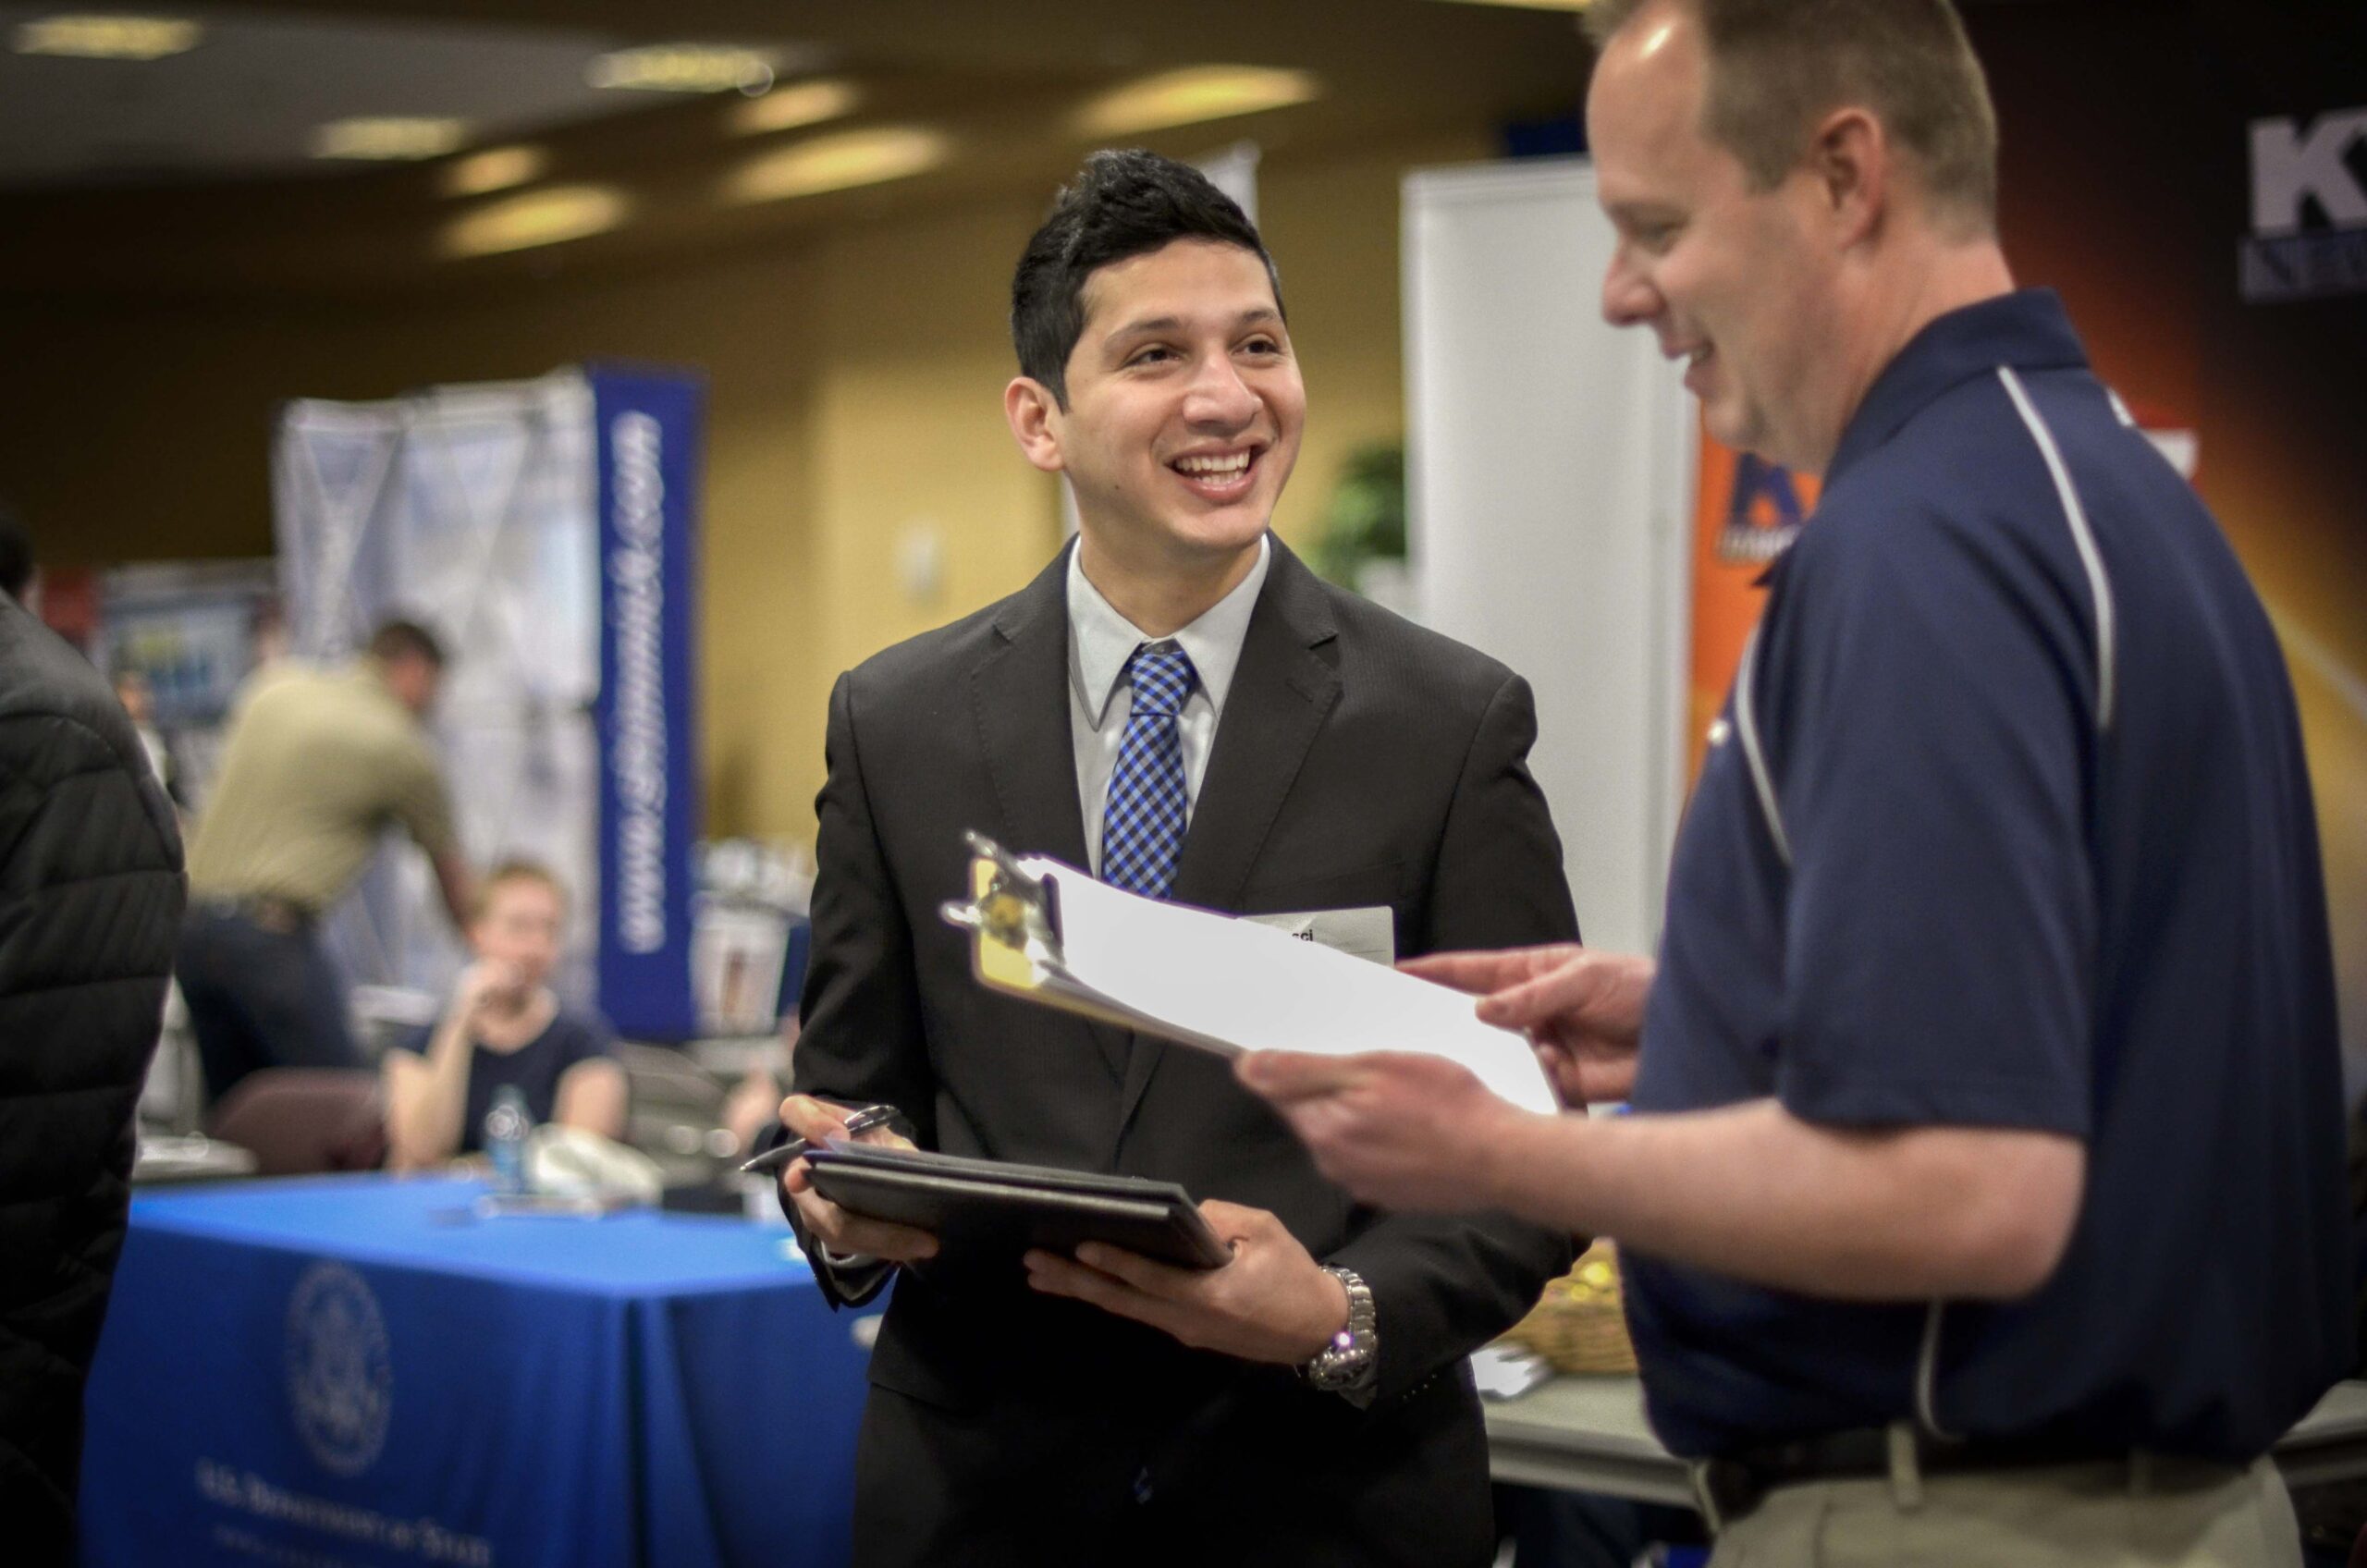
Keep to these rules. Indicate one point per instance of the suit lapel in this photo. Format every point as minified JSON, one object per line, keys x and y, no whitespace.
{"x":1282,"y":693}
{"x":1019,"y":701}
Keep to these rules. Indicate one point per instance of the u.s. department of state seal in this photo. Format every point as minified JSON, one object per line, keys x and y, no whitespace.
{"x":340,"y":1383}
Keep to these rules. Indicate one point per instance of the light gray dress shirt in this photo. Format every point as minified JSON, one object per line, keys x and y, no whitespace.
{"x":1101,"y":642}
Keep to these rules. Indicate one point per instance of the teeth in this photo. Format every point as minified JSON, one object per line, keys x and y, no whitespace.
{"x":1237,"y":463}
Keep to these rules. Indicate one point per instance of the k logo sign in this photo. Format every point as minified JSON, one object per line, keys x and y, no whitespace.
{"x":2297,"y":167}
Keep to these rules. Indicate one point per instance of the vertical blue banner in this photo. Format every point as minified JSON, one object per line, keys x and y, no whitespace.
{"x":649,"y":429}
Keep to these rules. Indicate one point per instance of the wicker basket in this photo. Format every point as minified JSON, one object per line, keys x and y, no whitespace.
{"x":1578,"y":1325}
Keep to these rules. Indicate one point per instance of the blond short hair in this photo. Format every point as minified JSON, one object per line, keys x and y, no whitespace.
{"x":1778,"y":66}
{"x":508,"y":873}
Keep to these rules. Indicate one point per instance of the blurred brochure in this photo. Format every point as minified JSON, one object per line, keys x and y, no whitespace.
{"x":1053,"y":934}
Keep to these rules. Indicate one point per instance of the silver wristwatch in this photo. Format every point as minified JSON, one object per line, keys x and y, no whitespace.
{"x":1353,"y":1352}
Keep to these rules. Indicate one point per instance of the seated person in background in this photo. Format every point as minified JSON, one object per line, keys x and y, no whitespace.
{"x":503,"y":1028}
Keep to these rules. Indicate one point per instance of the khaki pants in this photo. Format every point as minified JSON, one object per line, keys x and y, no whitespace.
{"x":2150,"y":1513}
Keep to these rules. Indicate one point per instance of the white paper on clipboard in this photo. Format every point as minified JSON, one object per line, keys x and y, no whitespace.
{"x":1231,"y":985}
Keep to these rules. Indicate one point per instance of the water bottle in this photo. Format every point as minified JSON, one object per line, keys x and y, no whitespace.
{"x":505,"y":1125}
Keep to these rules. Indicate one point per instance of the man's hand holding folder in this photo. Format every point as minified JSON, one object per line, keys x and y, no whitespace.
{"x":1271,"y":1303}
{"x":847,"y":1235}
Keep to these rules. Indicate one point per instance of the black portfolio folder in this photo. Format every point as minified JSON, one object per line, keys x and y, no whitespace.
{"x":978,"y":1208}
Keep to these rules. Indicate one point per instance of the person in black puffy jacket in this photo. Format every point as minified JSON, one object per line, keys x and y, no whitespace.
{"x":91,"y":895}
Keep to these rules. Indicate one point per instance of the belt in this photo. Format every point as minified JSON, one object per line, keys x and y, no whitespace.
{"x":284,"y":916}
{"x":1733,"y":1485}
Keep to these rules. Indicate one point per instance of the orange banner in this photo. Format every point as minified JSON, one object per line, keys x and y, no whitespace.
{"x":1745,"y":512}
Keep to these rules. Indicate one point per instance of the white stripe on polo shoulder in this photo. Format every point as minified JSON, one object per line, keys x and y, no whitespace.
{"x":1747,"y":730}
{"x":2082,"y":537}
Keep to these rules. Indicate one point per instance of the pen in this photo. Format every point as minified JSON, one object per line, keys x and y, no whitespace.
{"x":778,"y":1157}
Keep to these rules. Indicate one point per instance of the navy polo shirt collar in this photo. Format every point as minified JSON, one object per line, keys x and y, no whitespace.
{"x":2027,"y":329}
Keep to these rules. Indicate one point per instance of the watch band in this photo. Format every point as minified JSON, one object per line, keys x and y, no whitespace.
{"x":1354,"y":1350}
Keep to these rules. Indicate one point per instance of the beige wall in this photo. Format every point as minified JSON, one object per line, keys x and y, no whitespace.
{"x":854,"y":383}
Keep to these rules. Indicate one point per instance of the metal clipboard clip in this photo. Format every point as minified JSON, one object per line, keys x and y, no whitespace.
{"x":1008,"y":909}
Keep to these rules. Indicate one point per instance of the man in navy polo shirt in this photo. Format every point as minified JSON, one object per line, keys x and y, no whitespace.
{"x":1985,"y":1202}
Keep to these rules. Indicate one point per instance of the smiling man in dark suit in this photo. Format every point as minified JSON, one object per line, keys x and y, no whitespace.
{"x":1182,"y":705}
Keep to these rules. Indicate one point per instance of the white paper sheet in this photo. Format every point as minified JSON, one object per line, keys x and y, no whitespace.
{"x":1233,"y":985}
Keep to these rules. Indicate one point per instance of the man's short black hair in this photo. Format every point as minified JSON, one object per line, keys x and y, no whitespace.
{"x":397,"y":640}
{"x":1121,"y":205}
{"x":15,"y":556}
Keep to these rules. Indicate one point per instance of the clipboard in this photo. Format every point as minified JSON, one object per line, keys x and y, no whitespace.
{"x":1047,"y":932}
{"x":984,"y":1209}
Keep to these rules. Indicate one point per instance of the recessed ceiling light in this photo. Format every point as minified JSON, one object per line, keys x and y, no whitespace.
{"x":537,"y":218}
{"x":109,"y":38}
{"x":1194,"y":93}
{"x":388,"y":137}
{"x":836,"y":162}
{"x":496,"y":168}
{"x":796,"y":104}
{"x":684,"y":68}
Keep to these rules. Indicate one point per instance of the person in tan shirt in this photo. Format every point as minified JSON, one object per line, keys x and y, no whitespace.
{"x":319,"y":762}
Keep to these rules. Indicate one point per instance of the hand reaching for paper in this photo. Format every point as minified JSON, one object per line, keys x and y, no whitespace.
{"x":1584,"y":1010}
{"x":1273,"y":1303}
{"x":846,"y":1234}
{"x":1412,"y":1132}
{"x":1399,"y":1130}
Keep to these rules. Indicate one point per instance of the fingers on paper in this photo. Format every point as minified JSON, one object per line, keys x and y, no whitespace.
{"x":1561,"y":993}
{"x":1286,"y":1077}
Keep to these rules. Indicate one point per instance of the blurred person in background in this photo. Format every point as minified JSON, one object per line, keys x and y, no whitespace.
{"x":315,"y":766}
{"x":138,"y":706}
{"x":90,"y":897}
{"x":503,"y":1028}
{"x":1983,"y":1203}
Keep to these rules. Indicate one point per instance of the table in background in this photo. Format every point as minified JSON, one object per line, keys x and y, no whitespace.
{"x":358,"y":1370}
{"x":1588,"y":1434}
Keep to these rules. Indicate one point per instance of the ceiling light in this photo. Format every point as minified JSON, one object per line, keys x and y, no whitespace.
{"x":108,"y":38}
{"x":388,"y":137}
{"x":1194,"y":93}
{"x":537,"y":218}
{"x":799,"y":104}
{"x":836,"y":162}
{"x":684,"y":68}
{"x":496,"y":168}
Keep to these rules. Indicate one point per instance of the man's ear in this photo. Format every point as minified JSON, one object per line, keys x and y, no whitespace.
{"x":1851,"y":158}
{"x":1033,"y":415}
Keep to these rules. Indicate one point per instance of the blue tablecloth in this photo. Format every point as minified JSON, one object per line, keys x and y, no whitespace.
{"x":356,"y":1370}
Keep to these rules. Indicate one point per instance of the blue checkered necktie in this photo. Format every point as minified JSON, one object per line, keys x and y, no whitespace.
{"x":1142,"y":824}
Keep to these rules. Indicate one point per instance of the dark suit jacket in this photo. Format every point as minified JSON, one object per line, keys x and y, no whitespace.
{"x":1359,"y":761}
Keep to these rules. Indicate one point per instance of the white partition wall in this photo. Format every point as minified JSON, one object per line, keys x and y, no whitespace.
{"x":1550,"y":477}
{"x":471,"y":510}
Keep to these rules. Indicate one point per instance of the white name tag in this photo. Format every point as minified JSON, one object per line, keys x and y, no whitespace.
{"x":1370,"y":933}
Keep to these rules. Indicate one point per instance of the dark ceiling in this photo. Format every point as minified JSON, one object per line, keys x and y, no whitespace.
{"x":187,"y":176}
